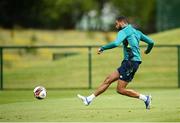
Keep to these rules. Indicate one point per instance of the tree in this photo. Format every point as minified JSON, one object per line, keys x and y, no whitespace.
{"x":141,"y":12}
{"x":43,"y":13}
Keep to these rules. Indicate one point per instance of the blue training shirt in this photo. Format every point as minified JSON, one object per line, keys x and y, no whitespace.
{"x":133,"y":37}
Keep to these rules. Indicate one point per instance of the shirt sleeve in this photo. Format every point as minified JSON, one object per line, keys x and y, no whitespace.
{"x":147,"y":40}
{"x":120,"y":38}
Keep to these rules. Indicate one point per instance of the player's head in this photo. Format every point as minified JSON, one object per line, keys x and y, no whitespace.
{"x":121,"y":21}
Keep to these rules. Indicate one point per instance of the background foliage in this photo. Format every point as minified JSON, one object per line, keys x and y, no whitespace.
{"x":66,"y":13}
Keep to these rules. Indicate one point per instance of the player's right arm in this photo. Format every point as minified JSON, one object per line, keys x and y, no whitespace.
{"x":147,"y":40}
{"x":120,"y":38}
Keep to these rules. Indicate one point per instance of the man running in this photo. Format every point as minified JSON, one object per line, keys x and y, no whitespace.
{"x":129,"y":37}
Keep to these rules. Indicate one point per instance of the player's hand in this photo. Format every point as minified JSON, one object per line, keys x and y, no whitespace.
{"x":100,"y":50}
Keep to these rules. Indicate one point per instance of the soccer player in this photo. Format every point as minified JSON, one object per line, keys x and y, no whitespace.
{"x":129,"y":37}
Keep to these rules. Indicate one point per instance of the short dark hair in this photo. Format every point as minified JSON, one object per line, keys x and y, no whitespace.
{"x":122,"y":18}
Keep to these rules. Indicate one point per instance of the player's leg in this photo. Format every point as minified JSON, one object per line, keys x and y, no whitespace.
{"x":105,"y":84}
{"x":121,"y":89}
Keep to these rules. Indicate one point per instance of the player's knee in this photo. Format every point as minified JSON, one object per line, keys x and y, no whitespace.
{"x":121,"y":91}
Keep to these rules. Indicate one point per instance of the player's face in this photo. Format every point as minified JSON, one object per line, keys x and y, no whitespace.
{"x":118,"y":25}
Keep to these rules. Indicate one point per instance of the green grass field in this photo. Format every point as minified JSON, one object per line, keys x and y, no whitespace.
{"x":62,"y":105}
{"x":157,"y":76}
{"x":40,"y":69}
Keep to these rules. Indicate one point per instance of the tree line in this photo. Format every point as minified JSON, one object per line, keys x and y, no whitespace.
{"x":64,"y":14}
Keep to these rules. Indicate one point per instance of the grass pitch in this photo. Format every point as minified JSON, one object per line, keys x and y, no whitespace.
{"x":63,"y":105}
{"x":25,"y":70}
{"x":158,"y":73}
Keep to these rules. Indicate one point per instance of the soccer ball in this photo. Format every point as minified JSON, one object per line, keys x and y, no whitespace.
{"x":39,"y":92}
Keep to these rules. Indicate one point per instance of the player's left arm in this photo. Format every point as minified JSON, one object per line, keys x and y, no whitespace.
{"x":120,"y":38}
{"x":147,"y":40}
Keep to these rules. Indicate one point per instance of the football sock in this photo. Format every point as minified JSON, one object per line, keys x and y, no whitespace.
{"x":91,"y":97}
{"x":142,"y":97}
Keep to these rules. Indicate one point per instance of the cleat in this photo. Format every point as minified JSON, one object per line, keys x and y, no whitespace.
{"x":148,"y":102}
{"x":84,"y":99}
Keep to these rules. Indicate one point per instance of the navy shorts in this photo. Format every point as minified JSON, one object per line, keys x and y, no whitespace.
{"x":128,"y":69}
